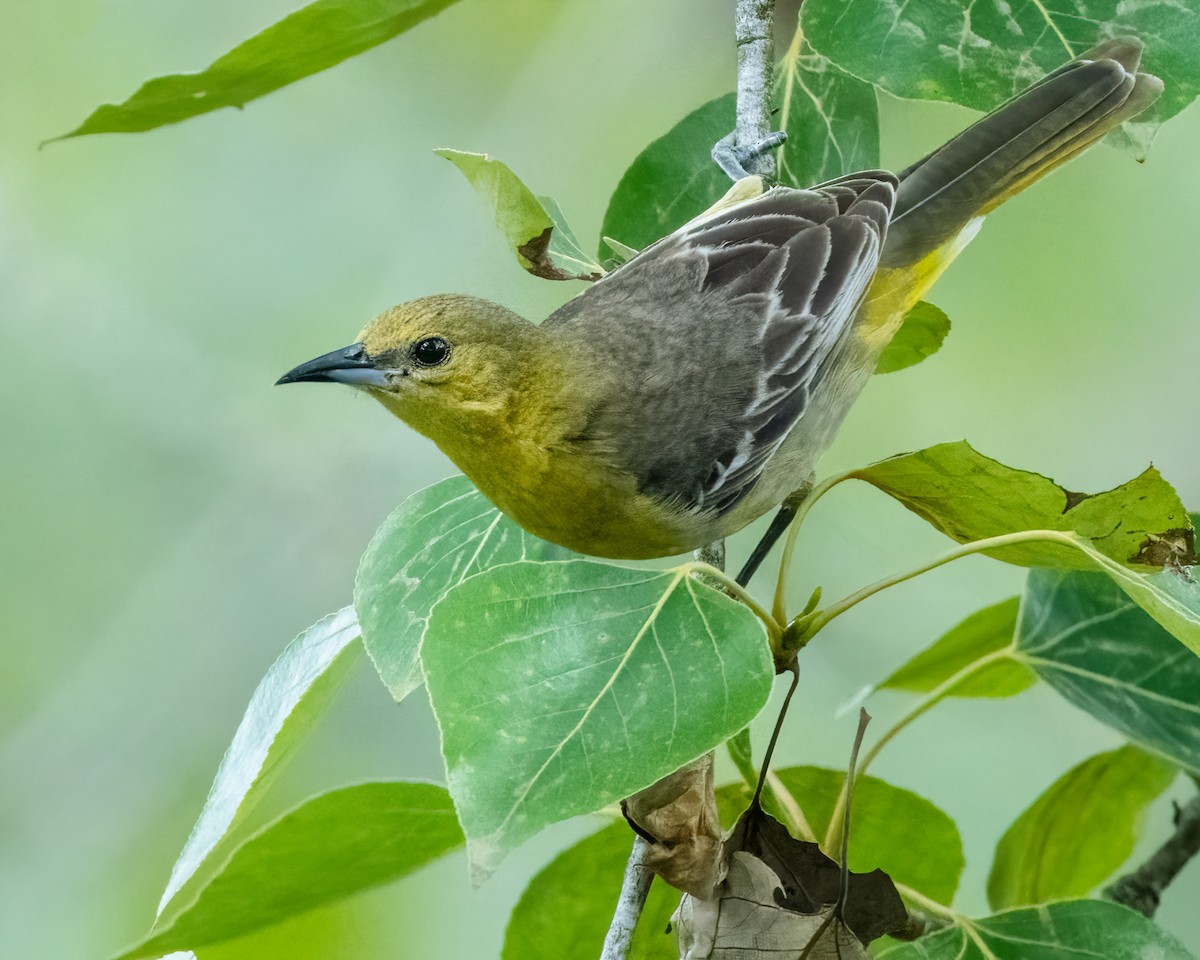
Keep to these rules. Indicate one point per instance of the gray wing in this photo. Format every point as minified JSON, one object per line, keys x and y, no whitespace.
{"x":711,"y":341}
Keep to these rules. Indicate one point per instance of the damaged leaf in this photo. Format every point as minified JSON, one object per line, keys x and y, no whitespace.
{"x":748,"y":923}
{"x":678,"y":817}
{"x":534,"y":227}
{"x":920,"y":335}
{"x":970,"y":497}
{"x":783,"y":895}
{"x":926,"y":856}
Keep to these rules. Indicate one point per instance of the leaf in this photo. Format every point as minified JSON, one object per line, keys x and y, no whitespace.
{"x":672,"y":180}
{"x":434,"y":540}
{"x":534,"y":228}
{"x":920,"y":335}
{"x":831,"y":119}
{"x":561,"y":687}
{"x":282,"y":710}
{"x":308,"y":41}
{"x":565,"y":911}
{"x":784,"y":897}
{"x":680,"y":813}
{"x":1051,"y":851}
{"x":1085,"y":638}
{"x":925,"y":855}
{"x":1071,"y":930}
{"x":979,"y":57}
{"x":810,"y":881}
{"x":748,"y":923}
{"x":1171,"y":597}
{"x":970,"y":497}
{"x":329,"y":847}
{"x":832,"y":126}
{"x":978,"y":649}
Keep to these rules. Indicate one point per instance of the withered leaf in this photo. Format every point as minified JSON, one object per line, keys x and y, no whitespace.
{"x":678,"y":816}
{"x":810,"y":881}
{"x":747,"y":922}
{"x":783,"y":896}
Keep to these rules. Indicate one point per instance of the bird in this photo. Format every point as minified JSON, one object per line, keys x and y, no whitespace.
{"x":692,"y":389}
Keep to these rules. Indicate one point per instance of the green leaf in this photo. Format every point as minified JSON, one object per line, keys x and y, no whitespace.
{"x":534,"y":228}
{"x":975,"y":656}
{"x":565,"y":911}
{"x":920,"y":335}
{"x":1071,"y":930}
{"x":671,"y":181}
{"x":1085,"y":638}
{"x":831,"y":119}
{"x":1171,"y":597}
{"x":970,"y":497}
{"x":329,"y":847}
{"x":980,"y":56}
{"x":1051,"y":850}
{"x":904,"y":834}
{"x":308,"y":41}
{"x":562,"y":687}
{"x":434,"y":540}
{"x":832,"y":126}
{"x":294,"y":691}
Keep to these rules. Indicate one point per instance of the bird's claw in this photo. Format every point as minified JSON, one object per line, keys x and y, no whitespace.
{"x":735,"y":159}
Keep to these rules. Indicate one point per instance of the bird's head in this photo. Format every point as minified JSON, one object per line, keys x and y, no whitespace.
{"x":433,"y":362}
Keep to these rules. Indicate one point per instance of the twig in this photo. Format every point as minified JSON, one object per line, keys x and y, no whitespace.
{"x":634,"y":889}
{"x":756,"y":58}
{"x":1142,"y":889}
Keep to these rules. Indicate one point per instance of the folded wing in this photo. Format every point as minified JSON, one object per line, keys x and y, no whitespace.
{"x":713,"y":339}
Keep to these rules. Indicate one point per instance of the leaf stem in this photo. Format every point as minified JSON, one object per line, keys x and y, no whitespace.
{"x":801,"y":828}
{"x":774,"y":628}
{"x":932,"y":699}
{"x":822,"y":618}
{"x":928,"y":904}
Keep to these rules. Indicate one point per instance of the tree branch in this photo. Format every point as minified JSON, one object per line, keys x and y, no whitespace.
{"x":1142,"y":889}
{"x":634,"y":889}
{"x":756,"y":59}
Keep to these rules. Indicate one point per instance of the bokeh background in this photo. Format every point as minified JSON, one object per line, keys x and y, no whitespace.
{"x":170,"y":520}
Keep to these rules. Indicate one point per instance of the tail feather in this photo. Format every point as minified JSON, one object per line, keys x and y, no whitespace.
{"x":1021,"y":141}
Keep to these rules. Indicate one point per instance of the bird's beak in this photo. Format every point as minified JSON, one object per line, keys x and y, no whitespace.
{"x":349,"y":365}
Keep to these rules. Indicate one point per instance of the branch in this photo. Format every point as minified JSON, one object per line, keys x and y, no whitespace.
{"x":1142,"y":889}
{"x":634,"y":889}
{"x":756,"y":56}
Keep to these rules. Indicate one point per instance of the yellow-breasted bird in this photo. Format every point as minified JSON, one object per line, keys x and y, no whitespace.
{"x":693,"y":388}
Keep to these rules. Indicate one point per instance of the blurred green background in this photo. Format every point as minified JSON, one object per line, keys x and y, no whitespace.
{"x":170,"y":520}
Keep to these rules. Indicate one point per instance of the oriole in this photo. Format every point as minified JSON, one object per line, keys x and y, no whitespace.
{"x":693,"y":388}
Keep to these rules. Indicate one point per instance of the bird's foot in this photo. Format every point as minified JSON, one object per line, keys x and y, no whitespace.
{"x":733,"y":158}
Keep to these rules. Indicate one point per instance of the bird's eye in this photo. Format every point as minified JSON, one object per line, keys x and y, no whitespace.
{"x":430,"y":352}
